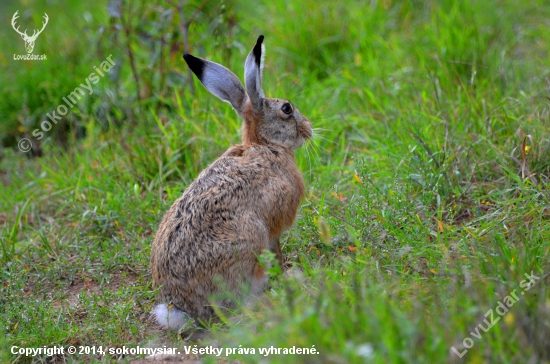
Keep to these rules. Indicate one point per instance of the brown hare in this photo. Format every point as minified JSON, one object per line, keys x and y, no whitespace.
{"x":210,"y":239}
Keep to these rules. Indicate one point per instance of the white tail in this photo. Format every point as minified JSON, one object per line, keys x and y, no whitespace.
{"x":170,"y":317}
{"x":29,"y":40}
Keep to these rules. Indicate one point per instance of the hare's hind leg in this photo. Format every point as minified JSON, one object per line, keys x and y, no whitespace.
{"x":275,"y":248}
{"x":259,"y":280}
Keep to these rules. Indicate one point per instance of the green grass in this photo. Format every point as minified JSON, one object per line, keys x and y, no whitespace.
{"x":428,"y":184}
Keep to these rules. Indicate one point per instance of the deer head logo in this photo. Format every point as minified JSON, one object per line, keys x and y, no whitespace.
{"x":29,"y":40}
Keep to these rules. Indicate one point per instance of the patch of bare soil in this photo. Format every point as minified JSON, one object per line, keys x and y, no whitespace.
{"x":81,"y":284}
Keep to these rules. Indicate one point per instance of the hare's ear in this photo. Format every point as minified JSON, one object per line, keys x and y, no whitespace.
{"x":218,"y":80}
{"x":253,"y":69}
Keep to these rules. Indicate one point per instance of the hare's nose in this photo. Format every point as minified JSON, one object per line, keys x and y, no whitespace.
{"x":304,"y":120}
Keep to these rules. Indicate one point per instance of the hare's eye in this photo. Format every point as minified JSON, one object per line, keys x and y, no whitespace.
{"x":287,"y":109}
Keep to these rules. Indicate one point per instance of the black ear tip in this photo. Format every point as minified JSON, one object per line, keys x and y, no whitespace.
{"x":196,"y":64}
{"x":257,"y":50}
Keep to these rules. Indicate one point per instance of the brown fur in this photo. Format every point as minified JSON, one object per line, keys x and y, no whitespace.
{"x":209,"y":240}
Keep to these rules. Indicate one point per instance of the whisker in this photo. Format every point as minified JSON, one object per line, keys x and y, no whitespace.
{"x":315,"y":146}
{"x":309,"y":159}
{"x":317,"y":136}
{"x":321,"y":147}
{"x":306,"y":148}
{"x":314,"y":153}
{"x":325,"y":139}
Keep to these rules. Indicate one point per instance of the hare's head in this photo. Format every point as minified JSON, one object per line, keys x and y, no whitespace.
{"x":266,"y":120}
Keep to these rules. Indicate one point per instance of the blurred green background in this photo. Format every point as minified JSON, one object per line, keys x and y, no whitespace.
{"x":146,"y":43}
{"x":427,"y":181}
